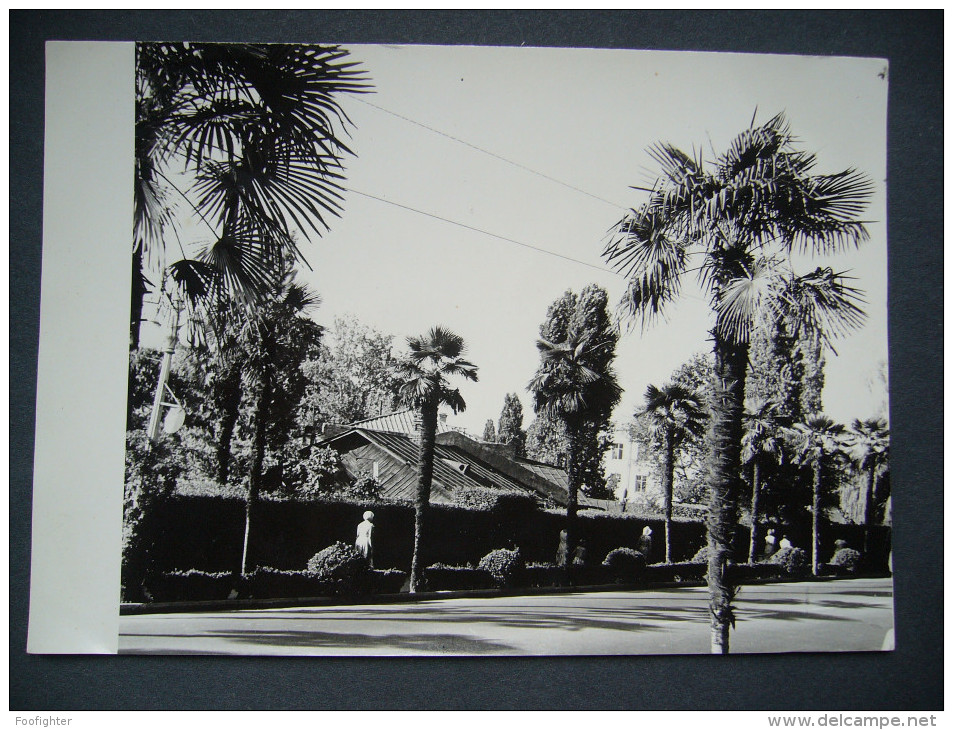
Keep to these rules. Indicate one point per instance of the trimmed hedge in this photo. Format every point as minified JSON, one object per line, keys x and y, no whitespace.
{"x":206,"y":533}
{"x":453,"y":578}
{"x":676,"y":572}
{"x":196,"y":585}
{"x":192,"y":585}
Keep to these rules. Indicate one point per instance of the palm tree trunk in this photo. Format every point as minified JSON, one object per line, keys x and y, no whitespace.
{"x":572,"y":502}
{"x":755,"y":508}
{"x":815,"y":520}
{"x":724,"y":477}
{"x":230,"y":402}
{"x":138,"y":293}
{"x":428,"y":434}
{"x":869,"y":507}
{"x":258,"y":458}
{"x":668,"y":475}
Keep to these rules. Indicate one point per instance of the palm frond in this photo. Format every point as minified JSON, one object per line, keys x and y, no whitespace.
{"x":823,"y":304}
{"x":652,"y":262}
{"x":746,"y":302}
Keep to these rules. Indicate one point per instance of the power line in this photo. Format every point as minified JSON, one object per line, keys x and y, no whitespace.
{"x":495,"y":235}
{"x":491,"y":154}
{"x":485,"y":233}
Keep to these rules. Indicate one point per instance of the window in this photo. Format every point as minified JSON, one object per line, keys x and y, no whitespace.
{"x":641,"y":482}
{"x":616,"y":451}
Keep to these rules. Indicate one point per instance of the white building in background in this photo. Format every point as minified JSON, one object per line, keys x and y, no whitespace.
{"x":627,"y":464}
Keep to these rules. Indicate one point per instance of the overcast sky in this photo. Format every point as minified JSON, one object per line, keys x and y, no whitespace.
{"x":573,"y":127}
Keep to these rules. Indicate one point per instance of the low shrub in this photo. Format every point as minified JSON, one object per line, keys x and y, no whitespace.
{"x":506,"y":566}
{"x":340,"y":564}
{"x":793,"y":561}
{"x":624,"y":565}
{"x":441,"y":577}
{"x":689,"y":572}
{"x":544,"y":575}
{"x":387,"y":581}
{"x":191,"y":585}
{"x":750,"y":572}
{"x":701,"y":556}
{"x":273,"y":583}
{"x":847,"y":560}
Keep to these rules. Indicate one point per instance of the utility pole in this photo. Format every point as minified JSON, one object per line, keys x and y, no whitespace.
{"x":153,"y":431}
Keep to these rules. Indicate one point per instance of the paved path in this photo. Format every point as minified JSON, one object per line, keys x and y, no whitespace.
{"x":847,"y":615}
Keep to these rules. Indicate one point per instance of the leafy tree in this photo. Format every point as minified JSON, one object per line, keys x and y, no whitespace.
{"x":585,"y":316}
{"x":432,"y":359}
{"x":786,"y":367}
{"x":243,"y":138}
{"x":546,"y":441}
{"x":818,"y":443}
{"x":760,"y":445}
{"x":351,"y":379}
{"x":735,"y":220}
{"x":568,"y":387}
{"x":489,"y":432}
{"x":511,"y":424}
{"x":690,"y":483}
{"x":676,"y":413}
{"x":869,"y":447}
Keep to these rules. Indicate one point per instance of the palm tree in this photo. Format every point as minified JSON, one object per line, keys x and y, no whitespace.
{"x":869,"y":444}
{"x":736,"y":219}
{"x":760,"y":444}
{"x":817,"y":442}
{"x":568,"y":389}
{"x":675,"y":413}
{"x":272,"y":347}
{"x":240,"y":138}
{"x":432,"y":358}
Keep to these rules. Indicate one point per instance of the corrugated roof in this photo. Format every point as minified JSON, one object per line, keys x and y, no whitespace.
{"x":455,"y":468}
{"x":396,"y":422}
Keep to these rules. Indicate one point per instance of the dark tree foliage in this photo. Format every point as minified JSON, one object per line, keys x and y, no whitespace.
{"x":569,"y":317}
{"x":576,"y":386}
{"x":248,"y":139}
{"x":489,"y":432}
{"x":787,"y":369}
{"x":510,"y":426}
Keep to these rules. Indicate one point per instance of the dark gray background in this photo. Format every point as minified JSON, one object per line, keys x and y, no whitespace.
{"x":909,"y":678}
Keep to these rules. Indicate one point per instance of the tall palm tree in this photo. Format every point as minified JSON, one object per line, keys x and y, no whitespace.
{"x":242,"y":139}
{"x":760,"y":444}
{"x":570,"y":390}
{"x":734,"y":220}
{"x":869,"y":445}
{"x":675,"y":413}
{"x":432,"y":359}
{"x":271,"y":347}
{"x":817,"y":442}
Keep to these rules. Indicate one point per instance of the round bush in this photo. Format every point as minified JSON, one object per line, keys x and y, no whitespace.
{"x":504,"y":565}
{"x":338,"y":562}
{"x":847,"y":558}
{"x":624,"y":565}
{"x":792,"y":560}
{"x":701,"y":556}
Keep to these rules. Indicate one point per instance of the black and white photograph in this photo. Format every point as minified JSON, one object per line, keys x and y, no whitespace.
{"x":512,"y":351}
